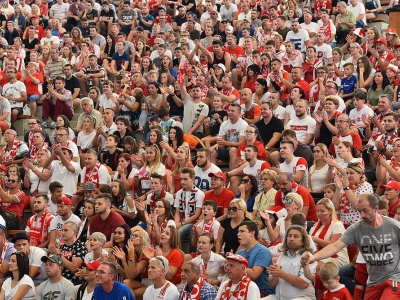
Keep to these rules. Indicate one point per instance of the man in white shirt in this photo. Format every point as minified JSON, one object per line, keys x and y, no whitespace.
{"x":324,"y":51}
{"x":303,"y":124}
{"x":161,"y":288}
{"x":297,"y":167}
{"x":360,"y":109}
{"x":231,"y":135}
{"x":207,"y":14}
{"x":203,"y":168}
{"x":358,"y":10}
{"x":309,"y":26}
{"x":299,"y":37}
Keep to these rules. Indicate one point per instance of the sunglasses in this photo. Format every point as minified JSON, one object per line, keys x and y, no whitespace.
{"x":245,"y":180}
{"x":287,"y":201}
{"x":12,"y":181}
{"x":135,"y":236}
{"x":234,"y":209}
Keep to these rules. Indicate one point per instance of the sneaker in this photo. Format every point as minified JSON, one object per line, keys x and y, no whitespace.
{"x":44,"y":123}
{"x":52,"y":124}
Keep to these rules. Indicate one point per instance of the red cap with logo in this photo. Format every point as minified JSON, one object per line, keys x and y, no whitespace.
{"x":381,"y":40}
{"x":239,"y":259}
{"x":64,"y":200}
{"x":218,"y":175}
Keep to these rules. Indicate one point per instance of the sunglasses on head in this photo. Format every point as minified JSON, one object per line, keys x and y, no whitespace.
{"x":287,"y":201}
{"x":234,"y":209}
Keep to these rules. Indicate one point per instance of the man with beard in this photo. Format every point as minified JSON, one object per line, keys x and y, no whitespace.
{"x":196,"y":286}
{"x":258,"y":256}
{"x":381,"y":56}
{"x":203,"y":168}
{"x":377,"y":239}
{"x":219,"y":194}
{"x":303,"y":124}
{"x":179,"y":19}
{"x":64,"y":215}
{"x":274,"y":81}
{"x":292,"y":58}
{"x":288,"y":185}
{"x":235,"y":269}
{"x":270,"y":128}
{"x":383,"y":143}
{"x":297,"y":80}
{"x":253,"y":166}
{"x":345,"y":134}
{"x":287,"y":274}
{"x":296,"y":166}
{"x":56,"y":287}
{"x":231,"y":135}
{"x":38,"y":226}
{"x":105,"y":220}
{"x":299,"y":37}
{"x":161,"y":287}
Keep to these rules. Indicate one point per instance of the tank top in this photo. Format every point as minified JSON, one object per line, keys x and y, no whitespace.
{"x":219,"y":61}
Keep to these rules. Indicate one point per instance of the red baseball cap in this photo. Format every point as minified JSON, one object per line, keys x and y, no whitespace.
{"x":218,"y":175}
{"x":64,"y":200}
{"x":393,"y":184}
{"x":3,"y":168}
{"x":35,"y":17}
{"x":391,"y":31}
{"x":239,"y":259}
{"x":381,"y":40}
{"x":277,"y":211}
{"x":93,"y":265}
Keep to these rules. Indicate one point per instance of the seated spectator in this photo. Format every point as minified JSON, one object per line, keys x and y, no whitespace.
{"x":326,"y":128}
{"x":85,"y":137}
{"x":303,"y":124}
{"x":7,"y":249}
{"x":38,"y":237}
{"x":15,"y":150}
{"x":123,"y":202}
{"x":86,"y":212}
{"x":265,"y":200}
{"x":22,"y":243}
{"x":55,"y":283}
{"x":320,"y":173}
{"x":195,"y":283}
{"x":12,"y":202}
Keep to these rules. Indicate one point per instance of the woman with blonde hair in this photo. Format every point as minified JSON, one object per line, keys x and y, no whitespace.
{"x":266,"y":198}
{"x":183,"y":160}
{"x":227,"y":233}
{"x":86,"y":136}
{"x":320,"y":173}
{"x":328,"y":230}
{"x":293,"y":204}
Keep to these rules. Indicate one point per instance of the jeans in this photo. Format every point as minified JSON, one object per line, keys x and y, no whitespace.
{"x":33,"y":98}
{"x":346,"y":274}
{"x":185,"y":230}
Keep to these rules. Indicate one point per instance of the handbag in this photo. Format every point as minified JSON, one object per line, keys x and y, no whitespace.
{"x":26,"y":110}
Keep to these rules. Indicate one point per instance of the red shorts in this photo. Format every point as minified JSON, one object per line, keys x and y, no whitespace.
{"x":383,"y":290}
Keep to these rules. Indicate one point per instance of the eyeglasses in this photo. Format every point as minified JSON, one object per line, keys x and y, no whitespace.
{"x":32,"y":123}
{"x":234,"y":209}
{"x":61,"y":134}
{"x":135,"y":236}
{"x":330,"y":87}
{"x":159,"y":206}
{"x":287,"y":201}
{"x":12,"y":181}
{"x":248,"y":131}
{"x":245,"y":180}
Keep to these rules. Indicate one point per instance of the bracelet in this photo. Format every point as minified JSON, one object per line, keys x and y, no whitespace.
{"x":117,"y":266}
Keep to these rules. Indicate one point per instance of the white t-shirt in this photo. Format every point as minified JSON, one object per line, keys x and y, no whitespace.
{"x":169,"y":197}
{"x":202,"y":180}
{"x":303,"y":127}
{"x":171,"y":293}
{"x":192,"y":113}
{"x":104,"y":176}
{"x":227,"y":13}
{"x":298,"y":39}
{"x":312,"y":27}
{"x":68,"y":179}
{"x":53,"y":40}
{"x":324,"y":52}
{"x":214,"y":267}
{"x":297,"y":164}
{"x":35,"y":256}
{"x":189,"y":201}
{"x":144,"y":175}
{"x":341,"y":107}
{"x":279,"y":112}
{"x":106,"y":102}
{"x":256,"y":170}
{"x":58,"y":222}
{"x":89,"y":258}
{"x":356,"y":115}
{"x":10,"y":292}
{"x":85,"y":140}
{"x":233,"y":131}
{"x":358,"y":10}
{"x":14,"y":89}
{"x":111,"y":130}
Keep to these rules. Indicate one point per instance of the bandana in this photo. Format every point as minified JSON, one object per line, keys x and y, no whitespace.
{"x":93,"y":176}
{"x":196,"y":290}
{"x":13,"y":151}
{"x":240,"y":293}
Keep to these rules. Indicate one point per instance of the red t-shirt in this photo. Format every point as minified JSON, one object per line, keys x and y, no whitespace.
{"x":355,"y":141}
{"x":235,"y":52}
{"x":32,"y":88}
{"x":305,"y":86}
{"x":341,"y":293}
{"x":261,"y":150}
{"x":222,"y":199}
{"x":16,"y":208}
{"x":107,"y":226}
{"x":39,"y":33}
{"x":175,"y":258}
{"x":308,"y":200}
{"x":143,"y":87}
{"x":393,"y":209}
{"x":4,"y":79}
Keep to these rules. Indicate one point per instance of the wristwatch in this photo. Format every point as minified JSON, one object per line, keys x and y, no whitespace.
{"x":266,"y":148}
{"x":183,"y":223}
{"x":346,"y":188}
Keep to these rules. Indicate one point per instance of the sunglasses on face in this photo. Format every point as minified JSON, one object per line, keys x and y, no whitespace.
{"x":245,"y":180}
{"x":234,"y":209}
{"x":287,"y":201}
{"x":12,"y":181}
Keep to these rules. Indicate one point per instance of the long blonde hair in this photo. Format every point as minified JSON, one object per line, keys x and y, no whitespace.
{"x":177,"y":166}
{"x":242,"y":206}
{"x":157,"y":159}
{"x":329,"y":206}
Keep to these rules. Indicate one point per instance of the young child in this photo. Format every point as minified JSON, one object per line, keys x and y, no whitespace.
{"x":166,"y":122}
{"x":332,"y":74}
{"x":349,"y":84}
{"x":209,"y":223}
{"x":383,"y":207}
{"x":327,"y":286}
{"x":329,"y":191}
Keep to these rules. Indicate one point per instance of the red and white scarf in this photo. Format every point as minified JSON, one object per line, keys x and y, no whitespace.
{"x":375,"y":62}
{"x":375,"y":130}
{"x":93,"y":175}
{"x":386,"y":140}
{"x":153,"y":199}
{"x":327,"y":31}
{"x":209,"y":226}
{"x":240,"y":292}
{"x":183,"y":203}
{"x":345,"y":203}
{"x":185,"y":66}
{"x":227,"y":93}
{"x":322,"y":234}
{"x":13,"y":152}
{"x":196,"y":290}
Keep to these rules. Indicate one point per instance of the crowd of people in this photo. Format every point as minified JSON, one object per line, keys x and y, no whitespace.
{"x":296,"y":101}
